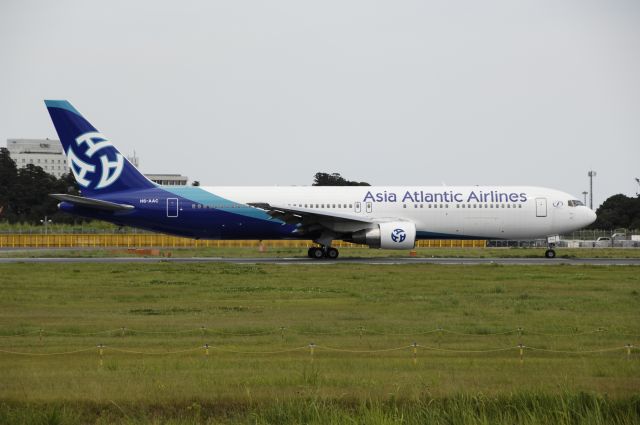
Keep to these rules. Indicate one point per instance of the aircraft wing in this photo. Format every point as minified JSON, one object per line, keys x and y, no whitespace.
{"x":311,"y":219}
{"x":97,"y":204}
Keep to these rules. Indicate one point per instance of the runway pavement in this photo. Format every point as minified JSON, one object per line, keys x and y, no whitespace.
{"x":306,"y":261}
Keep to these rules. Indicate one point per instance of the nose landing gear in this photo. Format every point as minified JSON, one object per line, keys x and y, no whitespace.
{"x":551,"y":252}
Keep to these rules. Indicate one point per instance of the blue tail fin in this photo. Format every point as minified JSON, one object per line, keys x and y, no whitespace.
{"x":96,"y":164}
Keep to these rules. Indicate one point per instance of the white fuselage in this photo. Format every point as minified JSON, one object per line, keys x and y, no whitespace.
{"x":488,"y":212}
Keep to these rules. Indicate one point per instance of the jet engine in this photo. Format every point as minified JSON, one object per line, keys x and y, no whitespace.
{"x":391,"y":235}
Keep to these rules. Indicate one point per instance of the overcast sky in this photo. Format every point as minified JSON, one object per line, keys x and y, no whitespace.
{"x":394,"y":93}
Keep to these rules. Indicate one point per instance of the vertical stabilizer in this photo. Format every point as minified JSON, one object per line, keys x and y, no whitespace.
{"x":99,"y":168}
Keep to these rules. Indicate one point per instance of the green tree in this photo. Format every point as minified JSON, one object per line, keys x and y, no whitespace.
{"x":334,"y":179}
{"x":618,"y":211}
{"x":24,"y":192}
{"x":8,"y":176}
{"x":32,"y":189}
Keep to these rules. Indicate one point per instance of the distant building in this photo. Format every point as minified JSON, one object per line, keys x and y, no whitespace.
{"x":168,"y":179}
{"x":163,"y":179}
{"x":45,"y":153}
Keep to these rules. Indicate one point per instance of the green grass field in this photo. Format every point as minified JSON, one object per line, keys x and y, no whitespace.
{"x":363,"y":319}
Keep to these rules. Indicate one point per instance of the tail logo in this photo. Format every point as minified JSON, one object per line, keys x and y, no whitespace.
{"x":85,"y":163}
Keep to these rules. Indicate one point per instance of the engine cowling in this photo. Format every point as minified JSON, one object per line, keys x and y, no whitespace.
{"x":391,"y":235}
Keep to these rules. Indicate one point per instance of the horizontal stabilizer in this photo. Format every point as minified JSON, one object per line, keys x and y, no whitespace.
{"x":97,"y":204}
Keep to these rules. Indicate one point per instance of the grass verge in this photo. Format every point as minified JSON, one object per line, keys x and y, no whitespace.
{"x":255,"y":316}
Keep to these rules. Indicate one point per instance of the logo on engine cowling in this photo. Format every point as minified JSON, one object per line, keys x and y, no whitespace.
{"x":83,"y":164}
{"x":398,"y":235}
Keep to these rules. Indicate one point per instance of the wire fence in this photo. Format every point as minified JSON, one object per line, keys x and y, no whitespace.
{"x":313,"y":349}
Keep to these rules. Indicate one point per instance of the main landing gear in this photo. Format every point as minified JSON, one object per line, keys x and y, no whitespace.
{"x":323,"y":252}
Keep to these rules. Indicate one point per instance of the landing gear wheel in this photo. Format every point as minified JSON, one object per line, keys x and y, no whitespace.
{"x":550,"y":253}
{"x":316,"y":253}
{"x":332,"y":253}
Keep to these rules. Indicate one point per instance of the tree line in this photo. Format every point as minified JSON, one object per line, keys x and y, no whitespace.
{"x":334,"y":179}
{"x":24,"y":193}
{"x":618,"y":211}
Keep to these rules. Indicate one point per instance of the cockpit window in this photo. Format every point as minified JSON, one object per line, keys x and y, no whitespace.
{"x":575,"y":203}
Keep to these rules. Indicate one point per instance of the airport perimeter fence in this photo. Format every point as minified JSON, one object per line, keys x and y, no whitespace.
{"x":626,"y":350}
{"x":155,"y":240}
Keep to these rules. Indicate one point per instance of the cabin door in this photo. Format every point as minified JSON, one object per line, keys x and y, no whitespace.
{"x":172,"y":207}
{"x":541,"y":207}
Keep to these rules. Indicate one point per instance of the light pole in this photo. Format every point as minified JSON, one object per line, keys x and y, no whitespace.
{"x":45,"y":222}
{"x":638,"y":181}
{"x":591,"y":175}
{"x":585,"y":196}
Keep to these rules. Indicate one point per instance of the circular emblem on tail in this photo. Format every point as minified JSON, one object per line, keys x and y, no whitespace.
{"x":104,"y":171}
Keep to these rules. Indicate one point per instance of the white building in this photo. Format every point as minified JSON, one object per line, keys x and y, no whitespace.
{"x":45,"y":153}
{"x":163,"y":179}
{"x":168,"y":179}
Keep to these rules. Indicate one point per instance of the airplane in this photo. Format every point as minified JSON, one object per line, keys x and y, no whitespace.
{"x":388,"y":217}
